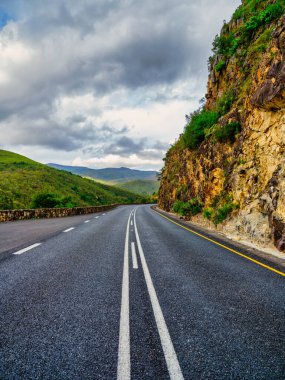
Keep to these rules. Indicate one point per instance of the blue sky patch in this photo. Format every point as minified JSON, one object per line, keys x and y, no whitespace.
{"x":4,"y":18}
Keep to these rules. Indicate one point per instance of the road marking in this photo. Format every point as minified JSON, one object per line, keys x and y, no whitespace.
{"x":26,"y":249}
{"x":124,"y":361}
{"x":96,"y":217}
{"x":69,"y":229}
{"x":173,"y":366}
{"x":104,"y":214}
{"x":224,"y":246}
{"x":134,"y":256}
{"x":87,"y":221}
{"x":131,"y":222}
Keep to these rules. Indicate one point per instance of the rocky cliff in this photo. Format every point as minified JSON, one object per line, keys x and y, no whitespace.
{"x":228,"y":167}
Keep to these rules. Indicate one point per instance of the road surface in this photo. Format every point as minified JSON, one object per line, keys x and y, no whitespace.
{"x":128,"y":294}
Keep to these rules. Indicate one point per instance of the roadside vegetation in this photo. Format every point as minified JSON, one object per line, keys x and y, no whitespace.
{"x":28,"y":184}
{"x":221,"y":207}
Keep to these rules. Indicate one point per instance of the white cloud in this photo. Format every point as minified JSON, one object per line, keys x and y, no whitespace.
{"x":133,"y":161}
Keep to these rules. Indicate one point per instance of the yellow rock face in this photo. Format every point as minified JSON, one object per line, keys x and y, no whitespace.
{"x":252,"y":169}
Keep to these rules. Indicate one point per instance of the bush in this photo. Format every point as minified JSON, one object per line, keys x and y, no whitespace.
{"x":262,"y":42}
{"x":239,"y":13}
{"x":193,"y":207}
{"x":225,"y":102}
{"x":272,"y":12}
{"x":221,"y":207}
{"x":208,"y":213}
{"x":66,"y":202}
{"x":222,"y":213}
{"x":176,"y":206}
{"x":6,"y":201}
{"x":225,"y":45}
{"x":269,"y":14}
{"x":228,"y":132}
{"x":194,"y":132}
{"x":44,"y":200}
{"x":220,"y":66}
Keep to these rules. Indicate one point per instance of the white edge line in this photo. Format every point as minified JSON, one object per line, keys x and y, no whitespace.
{"x":26,"y":249}
{"x":69,"y":229}
{"x":134,"y":256}
{"x":124,"y":361}
{"x":173,"y":366}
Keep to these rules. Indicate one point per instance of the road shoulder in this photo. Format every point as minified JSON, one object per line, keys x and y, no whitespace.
{"x":255,"y":254}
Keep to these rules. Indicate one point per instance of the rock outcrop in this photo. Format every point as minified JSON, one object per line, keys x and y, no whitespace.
{"x":251,"y":168}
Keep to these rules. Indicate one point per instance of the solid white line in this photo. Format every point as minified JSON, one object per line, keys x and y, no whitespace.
{"x":124,"y":361}
{"x":27,"y":249}
{"x":134,"y":256}
{"x":69,"y":229}
{"x":87,"y":221}
{"x":173,"y":366}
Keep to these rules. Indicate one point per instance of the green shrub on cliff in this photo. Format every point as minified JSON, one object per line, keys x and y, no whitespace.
{"x":220,"y":66}
{"x":225,"y":102}
{"x":221,"y":207}
{"x":228,"y":132}
{"x":225,"y":44}
{"x":269,"y":14}
{"x":253,"y":15}
{"x":199,"y":121}
{"x":193,"y":207}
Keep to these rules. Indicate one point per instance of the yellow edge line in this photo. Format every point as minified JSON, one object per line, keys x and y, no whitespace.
{"x":224,"y":246}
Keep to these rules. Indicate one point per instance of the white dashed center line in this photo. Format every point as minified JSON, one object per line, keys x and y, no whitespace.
{"x":134,"y":256}
{"x":173,"y":366}
{"x":26,"y":249}
{"x":69,"y":229}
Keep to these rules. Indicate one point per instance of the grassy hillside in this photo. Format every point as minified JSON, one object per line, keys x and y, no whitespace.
{"x":23,"y":182}
{"x":142,"y":187}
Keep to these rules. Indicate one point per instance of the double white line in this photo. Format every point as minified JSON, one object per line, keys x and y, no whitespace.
{"x":124,"y":361}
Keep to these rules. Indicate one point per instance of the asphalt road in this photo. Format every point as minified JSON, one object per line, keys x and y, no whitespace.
{"x":131,"y":295}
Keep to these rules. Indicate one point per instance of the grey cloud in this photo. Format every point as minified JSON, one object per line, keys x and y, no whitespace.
{"x":143,"y":148}
{"x":66,"y":136}
{"x":100,"y":47}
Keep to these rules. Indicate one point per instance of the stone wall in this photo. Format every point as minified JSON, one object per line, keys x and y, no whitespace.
{"x":12,"y":215}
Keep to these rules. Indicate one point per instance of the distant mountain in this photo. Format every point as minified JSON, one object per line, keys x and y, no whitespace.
{"x":109,"y":175}
{"x":23,"y":180}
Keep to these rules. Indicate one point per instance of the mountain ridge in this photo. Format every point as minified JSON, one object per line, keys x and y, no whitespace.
{"x":121,"y":174}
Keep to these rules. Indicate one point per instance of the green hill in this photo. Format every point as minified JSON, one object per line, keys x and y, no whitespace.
{"x":25,"y":183}
{"x":142,"y":187}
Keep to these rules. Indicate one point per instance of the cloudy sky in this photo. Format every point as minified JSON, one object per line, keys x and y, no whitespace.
{"x":102,"y":83}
